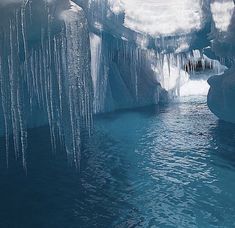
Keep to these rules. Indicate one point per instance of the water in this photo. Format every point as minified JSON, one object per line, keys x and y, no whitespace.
{"x":171,"y":166}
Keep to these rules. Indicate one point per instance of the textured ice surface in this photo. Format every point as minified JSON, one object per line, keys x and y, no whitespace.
{"x":153,"y":16}
{"x":6,"y":2}
{"x":222,"y":88}
{"x":45,"y":75}
{"x":141,"y":54}
{"x":222,"y":95}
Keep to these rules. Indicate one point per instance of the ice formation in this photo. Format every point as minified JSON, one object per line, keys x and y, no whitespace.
{"x":222,"y":89}
{"x":153,"y":16}
{"x":165,"y":35}
{"x":45,"y":74}
{"x":60,"y":63}
{"x":143,"y":52}
{"x":222,"y":12}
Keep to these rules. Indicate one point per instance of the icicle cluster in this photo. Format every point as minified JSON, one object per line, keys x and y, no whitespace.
{"x":143,"y":75}
{"x":51,"y":74}
{"x":122,"y":74}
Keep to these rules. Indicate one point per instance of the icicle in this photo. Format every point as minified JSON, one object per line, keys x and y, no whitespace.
{"x":13,"y":89}
{"x":5,"y":112}
{"x":168,"y":64}
{"x":57,"y":80}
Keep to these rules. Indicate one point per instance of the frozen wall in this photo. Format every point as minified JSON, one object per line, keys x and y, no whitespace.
{"x":45,"y":74}
{"x":140,"y":50}
{"x":156,"y":42}
{"x":141,"y":53}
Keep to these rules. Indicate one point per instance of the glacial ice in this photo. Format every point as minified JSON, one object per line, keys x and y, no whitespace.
{"x":168,"y":40}
{"x":222,"y":12}
{"x":153,"y":16}
{"x":7,"y":2}
{"x":60,"y":63}
{"x":45,"y":73}
{"x":221,"y":94}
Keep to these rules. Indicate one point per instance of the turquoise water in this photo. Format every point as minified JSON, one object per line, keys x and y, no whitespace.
{"x":171,"y":166}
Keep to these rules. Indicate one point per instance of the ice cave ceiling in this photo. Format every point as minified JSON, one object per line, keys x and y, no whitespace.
{"x":165,"y":18}
{"x":162,"y":18}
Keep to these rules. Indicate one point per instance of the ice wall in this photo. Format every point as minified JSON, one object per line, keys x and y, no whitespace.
{"x":222,"y":89}
{"x":144,"y":52}
{"x":140,"y":50}
{"x":122,"y":74}
{"x":45,"y":74}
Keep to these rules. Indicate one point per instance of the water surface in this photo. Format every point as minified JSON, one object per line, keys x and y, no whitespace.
{"x":171,"y":166}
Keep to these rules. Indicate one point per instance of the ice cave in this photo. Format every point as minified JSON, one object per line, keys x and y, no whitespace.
{"x":117,"y":113}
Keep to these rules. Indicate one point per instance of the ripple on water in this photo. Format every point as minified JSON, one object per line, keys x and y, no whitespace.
{"x":171,"y":166}
{"x":168,"y":167}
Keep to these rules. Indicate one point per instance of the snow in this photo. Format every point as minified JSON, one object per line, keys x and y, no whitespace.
{"x":153,"y":16}
{"x":222,"y":12}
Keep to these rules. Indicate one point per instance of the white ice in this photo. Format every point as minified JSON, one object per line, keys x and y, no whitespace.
{"x":222,"y":12}
{"x":153,"y":16}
